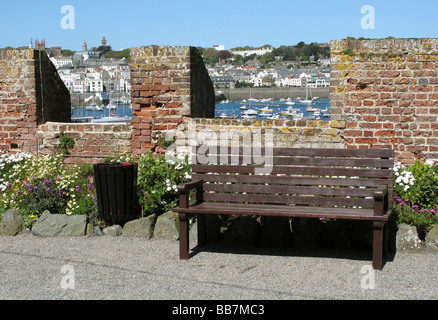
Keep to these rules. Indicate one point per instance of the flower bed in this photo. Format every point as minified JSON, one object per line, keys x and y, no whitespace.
{"x":33,"y":184}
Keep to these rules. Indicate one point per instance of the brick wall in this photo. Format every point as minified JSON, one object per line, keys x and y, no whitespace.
{"x":169,"y":85}
{"x":31,"y":93}
{"x":93,"y":141}
{"x":387,"y":92}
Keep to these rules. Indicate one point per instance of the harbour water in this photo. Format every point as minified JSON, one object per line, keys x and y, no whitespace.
{"x":317,"y":109}
{"x":118,"y":113}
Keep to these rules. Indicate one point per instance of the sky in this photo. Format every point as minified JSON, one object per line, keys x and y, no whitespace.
{"x":134,"y":23}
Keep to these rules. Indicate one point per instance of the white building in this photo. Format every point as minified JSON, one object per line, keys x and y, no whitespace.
{"x":62,"y":61}
{"x":219,"y":47}
{"x":258,"y":52}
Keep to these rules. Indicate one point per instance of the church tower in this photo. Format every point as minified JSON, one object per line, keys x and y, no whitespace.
{"x":103,"y":42}
{"x":84,"y":46}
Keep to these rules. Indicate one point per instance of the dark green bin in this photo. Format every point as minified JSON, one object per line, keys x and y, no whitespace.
{"x":116,"y":190}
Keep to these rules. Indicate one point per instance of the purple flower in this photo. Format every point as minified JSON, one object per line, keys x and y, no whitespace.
{"x":89,"y":186}
{"x":78,"y":188}
{"x":47,"y":181}
{"x":60,"y":193}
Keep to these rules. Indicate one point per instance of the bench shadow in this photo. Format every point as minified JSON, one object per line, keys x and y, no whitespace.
{"x":302,"y":252}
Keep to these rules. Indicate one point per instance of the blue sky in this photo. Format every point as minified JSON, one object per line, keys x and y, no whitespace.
{"x":132,"y":23}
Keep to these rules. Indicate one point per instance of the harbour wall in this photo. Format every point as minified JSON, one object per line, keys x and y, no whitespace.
{"x":274,"y":93}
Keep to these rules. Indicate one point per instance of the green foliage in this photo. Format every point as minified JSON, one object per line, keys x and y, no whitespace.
{"x":65,"y":144}
{"x":348,"y":51}
{"x":418,"y":183}
{"x":158,"y":179}
{"x":416,"y":190}
{"x":164,"y":141}
{"x":118,"y":54}
{"x":302,"y":51}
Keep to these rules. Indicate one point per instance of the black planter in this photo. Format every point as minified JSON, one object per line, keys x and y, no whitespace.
{"x":116,"y":190}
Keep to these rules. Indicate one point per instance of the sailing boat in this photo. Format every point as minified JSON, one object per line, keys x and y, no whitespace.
{"x":307,"y":100}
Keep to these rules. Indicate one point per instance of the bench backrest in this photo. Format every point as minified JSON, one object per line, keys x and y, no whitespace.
{"x":320,"y":177}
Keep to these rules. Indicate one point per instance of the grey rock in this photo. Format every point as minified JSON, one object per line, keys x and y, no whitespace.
{"x":407,"y":238}
{"x":60,"y":225}
{"x":140,"y":228}
{"x":113,"y":231}
{"x":167,"y":226}
{"x":97,"y":232}
{"x":12,"y":223}
{"x":432,"y":239}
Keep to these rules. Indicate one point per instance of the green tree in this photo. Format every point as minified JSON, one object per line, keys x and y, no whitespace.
{"x":211,"y":55}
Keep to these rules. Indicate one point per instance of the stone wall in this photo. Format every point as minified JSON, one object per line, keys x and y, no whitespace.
{"x":31,"y":93}
{"x":169,"y":86}
{"x":387,"y":92}
{"x":279,"y":133}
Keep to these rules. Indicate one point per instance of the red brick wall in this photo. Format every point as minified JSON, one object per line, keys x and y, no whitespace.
{"x":25,"y":100}
{"x":164,"y":92}
{"x":93,"y":141}
{"x":387,"y":92}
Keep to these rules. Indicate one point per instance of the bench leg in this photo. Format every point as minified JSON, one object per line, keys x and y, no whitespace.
{"x":378,"y":245}
{"x":183,"y":236}
{"x":202,"y":229}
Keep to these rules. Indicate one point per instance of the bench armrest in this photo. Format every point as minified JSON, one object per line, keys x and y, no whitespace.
{"x":184,"y":191}
{"x":187,"y":186}
{"x":381,"y":200}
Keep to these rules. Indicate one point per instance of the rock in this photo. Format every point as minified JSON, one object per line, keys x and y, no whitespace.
{"x":432,"y":239}
{"x":60,"y":225}
{"x":167,"y":226}
{"x":407,"y":238}
{"x":275,"y":232}
{"x":140,"y":228}
{"x":12,"y":223}
{"x":113,"y":231}
{"x":90,"y":229}
{"x":97,"y":232}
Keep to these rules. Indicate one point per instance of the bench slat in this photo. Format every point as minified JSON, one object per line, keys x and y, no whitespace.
{"x":282,"y":210}
{"x":286,"y":199}
{"x":291,"y":190}
{"x":286,"y":180}
{"x":340,"y":162}
{"x":294,"y":152}
{"x":320,"y":171}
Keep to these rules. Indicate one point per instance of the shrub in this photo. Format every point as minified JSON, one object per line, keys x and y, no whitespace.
{"x":416,"y":195}
{"x":158,"y":178}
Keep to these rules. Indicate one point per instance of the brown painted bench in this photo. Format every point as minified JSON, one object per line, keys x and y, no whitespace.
{"x":309,"y":183}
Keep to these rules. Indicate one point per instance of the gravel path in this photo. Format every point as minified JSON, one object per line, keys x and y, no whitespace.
{"x":130,"y":268}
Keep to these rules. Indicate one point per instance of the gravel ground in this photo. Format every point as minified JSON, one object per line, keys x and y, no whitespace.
{"x":124,"y":268}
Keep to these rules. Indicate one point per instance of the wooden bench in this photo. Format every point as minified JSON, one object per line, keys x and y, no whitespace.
{"x":309,"y":183}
